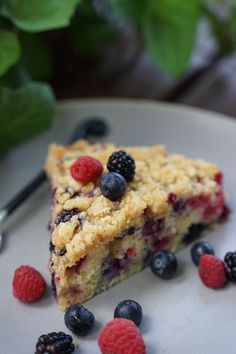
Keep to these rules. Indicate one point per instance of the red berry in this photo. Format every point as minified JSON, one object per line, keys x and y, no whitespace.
{"x":131,"y":252}
{"x":86,"y":169}
{"x":28,"y":284}
{"x":198,"y":201}
{"x":212,"y":271}
{"x":121,"y":336}
{"x":219,"y":178}
{"x":171,"y":198}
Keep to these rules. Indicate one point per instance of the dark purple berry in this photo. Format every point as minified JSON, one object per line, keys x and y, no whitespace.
{"x":55,"y":343}
{"x":51,"y":247}
{"x":66,"y":215}
{"x":230,"y":266}
{"x":112,"y":266}
{"x":199,"y":249}
{"x":179,"y":206}
{"x":194,"y":232}
{"x":130,"y":231}
{"x":129,"y":309}
{"x":53,"y":285}
{"x":62,"y":251}
{"x":153,"y":227}
{"x":113,"y":185}
{"x":122,"y":163}
{"x":79,"y":320}
{"x":164,"y":264}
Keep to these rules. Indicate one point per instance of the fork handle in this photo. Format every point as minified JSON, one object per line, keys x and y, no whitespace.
{"x":19,"y":198}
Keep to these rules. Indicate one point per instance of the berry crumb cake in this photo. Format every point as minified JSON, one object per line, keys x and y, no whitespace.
{"x":112,"y":207}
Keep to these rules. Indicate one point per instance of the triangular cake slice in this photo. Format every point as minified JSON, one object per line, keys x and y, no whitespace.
{"x":96,"y":242}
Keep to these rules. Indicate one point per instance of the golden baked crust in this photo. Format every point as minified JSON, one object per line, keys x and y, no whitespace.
{"x":100,"y":220}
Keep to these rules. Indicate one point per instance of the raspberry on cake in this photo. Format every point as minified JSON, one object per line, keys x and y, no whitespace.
{"x":170,"y":201}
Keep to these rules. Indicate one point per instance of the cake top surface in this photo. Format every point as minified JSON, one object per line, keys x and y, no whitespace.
{"x":83,"y":218}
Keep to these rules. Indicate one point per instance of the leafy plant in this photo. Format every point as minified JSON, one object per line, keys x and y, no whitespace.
{"x":167,"y":29}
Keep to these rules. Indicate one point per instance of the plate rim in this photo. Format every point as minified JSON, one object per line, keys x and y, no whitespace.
{"x":168,"y":106}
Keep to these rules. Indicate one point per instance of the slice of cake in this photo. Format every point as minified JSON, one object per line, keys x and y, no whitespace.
{"x":97,"y":242}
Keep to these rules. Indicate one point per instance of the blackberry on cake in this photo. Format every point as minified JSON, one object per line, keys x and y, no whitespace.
{"x":170,"y":200}
{"x":122,"y":163}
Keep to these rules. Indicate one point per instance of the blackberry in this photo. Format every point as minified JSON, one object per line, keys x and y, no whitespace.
{"x":230,"y":266}
{"x":122,"y":163}
{"x":55,"y":343}
{"x":129,"y":309}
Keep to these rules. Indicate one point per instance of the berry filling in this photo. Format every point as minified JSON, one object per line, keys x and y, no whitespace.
{"x":171,"y":198}
{"x":80,"y":264}
{"x":133,"y":248}
{"x":66,"y":215}
{"x":112,"y":266}
{"x":53,"y":285}
{"x":162,"y":243}
{"x":62,"y":251}
{"x":153,"y":227}
{"x":179,"y":206}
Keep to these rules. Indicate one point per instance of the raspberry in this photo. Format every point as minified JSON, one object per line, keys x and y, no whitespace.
{"x":28,"y":284}
{"x":121,"y":336}
{"x":86,"y":169}
{"x":122,"y":163}
{"x":212,"y":271}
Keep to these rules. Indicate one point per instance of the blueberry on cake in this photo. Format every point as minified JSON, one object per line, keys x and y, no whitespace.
{"x":113,"y":207}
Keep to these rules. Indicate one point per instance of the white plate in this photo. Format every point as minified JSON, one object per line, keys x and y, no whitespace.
{"x":181,"y":315}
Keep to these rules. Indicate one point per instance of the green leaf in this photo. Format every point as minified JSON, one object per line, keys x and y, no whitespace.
{"x":17,"y":76}
{"x":34,"y":46}
{"x":24,"y":112}
{"x":39,"y":15}
{"x":224,"y":30}
{"x":169,"y":33}
{"x":90,"y":33}
{"x":9,"y":50}
{"x":130,"y":9}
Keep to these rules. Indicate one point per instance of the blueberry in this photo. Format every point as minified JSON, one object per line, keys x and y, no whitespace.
{"x":113,"y":185}
{"x":164,"y":264}
{"x":79,"y":320}
{"x":199,"y":249}
{"x":129,"y":309}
